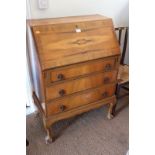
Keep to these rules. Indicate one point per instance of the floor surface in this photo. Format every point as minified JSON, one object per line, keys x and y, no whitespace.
{"x":88,"y":134}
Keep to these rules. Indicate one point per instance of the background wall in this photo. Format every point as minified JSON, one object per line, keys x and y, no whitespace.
{"x":116,"y":9}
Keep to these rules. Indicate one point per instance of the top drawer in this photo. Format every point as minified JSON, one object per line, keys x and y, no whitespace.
{"x":75,"y":70}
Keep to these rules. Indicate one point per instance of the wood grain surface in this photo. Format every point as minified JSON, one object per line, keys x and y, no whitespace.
{"x":77,"y":85}
{"x":73,"y":71}
{"x":63,"y":20}
{"x":60,"y":44}
{"x":74,"y":101}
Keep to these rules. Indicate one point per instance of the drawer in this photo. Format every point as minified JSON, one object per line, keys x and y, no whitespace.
{"x":76,"y":100}
{"x":76,"y":70}
{"x":80,"y":84}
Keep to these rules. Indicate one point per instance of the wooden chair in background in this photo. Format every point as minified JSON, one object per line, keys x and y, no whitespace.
{"x":123,"y":74}
{"x":27,"y":142}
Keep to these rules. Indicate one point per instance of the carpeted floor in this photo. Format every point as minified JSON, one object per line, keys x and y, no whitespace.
{"x":88,"y":134}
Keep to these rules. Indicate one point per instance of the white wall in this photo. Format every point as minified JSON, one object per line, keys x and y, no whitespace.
{"x":116,"y":9}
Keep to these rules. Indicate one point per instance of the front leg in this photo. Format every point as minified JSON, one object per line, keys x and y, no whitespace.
{"x":49,"y":137}
{"x":111,"y":109}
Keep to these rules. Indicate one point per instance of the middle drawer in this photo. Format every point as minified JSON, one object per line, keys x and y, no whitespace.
{"x":80,"y":84}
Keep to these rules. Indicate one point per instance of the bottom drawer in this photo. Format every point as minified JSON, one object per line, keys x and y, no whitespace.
{"x":73,"y":101}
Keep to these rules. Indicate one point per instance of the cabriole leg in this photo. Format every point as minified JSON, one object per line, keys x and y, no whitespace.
{"x":49,"y":137}
{"x":111,"y":110}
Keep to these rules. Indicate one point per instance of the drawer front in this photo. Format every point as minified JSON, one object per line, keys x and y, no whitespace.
{"x":73,"y":71}
{"x":62,"y":89}
{"x":76,"y":100}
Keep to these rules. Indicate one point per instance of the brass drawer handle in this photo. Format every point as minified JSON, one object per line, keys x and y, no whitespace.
{"x":106,"y":80}
{"x":60,"y":76}
{"x":108,"y":67}
{"x":63,"y":108}
{"x":62,"y":92}
{"x":105,"y":94}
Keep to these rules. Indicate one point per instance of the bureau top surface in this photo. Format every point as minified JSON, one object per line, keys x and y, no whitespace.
{"x":69,"y":40}
{"x":62,"y":20}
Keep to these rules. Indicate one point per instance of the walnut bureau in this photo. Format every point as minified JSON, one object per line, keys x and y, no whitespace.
{"x":74,"y":65}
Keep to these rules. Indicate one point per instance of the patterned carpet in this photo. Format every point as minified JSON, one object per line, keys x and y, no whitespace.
{"x":88,"y":134}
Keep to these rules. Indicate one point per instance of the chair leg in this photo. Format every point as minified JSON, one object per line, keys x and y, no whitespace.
{"x":114,"y":110}
{"x":117,"y":95}
{"x":118,"y":87}
{"x":27,"y":142}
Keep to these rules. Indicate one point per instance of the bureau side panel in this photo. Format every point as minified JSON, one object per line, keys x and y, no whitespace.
{"x":35,"y":69}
